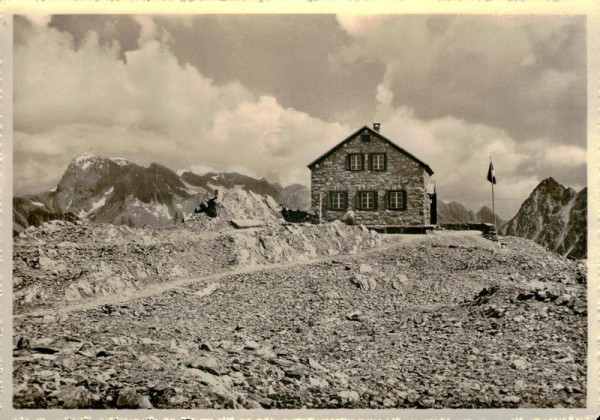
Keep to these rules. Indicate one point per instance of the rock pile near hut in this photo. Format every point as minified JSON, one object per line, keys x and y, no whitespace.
{"x":66,"y":262}
{"x":239,"y":205}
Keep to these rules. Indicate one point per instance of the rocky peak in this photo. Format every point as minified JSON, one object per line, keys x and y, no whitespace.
{"x":550,"y":187}
{"x":116,"y":190}
{"x":84,"y":160}
{"x":553,"y":216}
{"x":548,"y":182}
{"x":485,"y":215}
{"x":121,"y":161}
{"x":452,"y":212}
{"x":86,"y":176}
{"x":87,"y":162}
{"x":113,"y":190}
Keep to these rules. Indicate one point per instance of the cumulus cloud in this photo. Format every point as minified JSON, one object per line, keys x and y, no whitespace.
{"x":526,"y":74}
{"x":147,"y":107}
{"x":459,"y":151}
{"x":459,"y":89}
{"x":565,"y":155}
{"x":148,"y":30}
{"x":356,"y":24}
{"x":39,"y":19}
{"x":436,"y":98}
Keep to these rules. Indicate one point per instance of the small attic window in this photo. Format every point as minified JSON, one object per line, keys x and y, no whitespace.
{"x":365,"y":138}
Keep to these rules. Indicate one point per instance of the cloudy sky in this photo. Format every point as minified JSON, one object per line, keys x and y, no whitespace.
{"x":264,"y":95}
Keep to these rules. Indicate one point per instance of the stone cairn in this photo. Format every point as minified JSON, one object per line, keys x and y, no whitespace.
{"x":489,"y":232}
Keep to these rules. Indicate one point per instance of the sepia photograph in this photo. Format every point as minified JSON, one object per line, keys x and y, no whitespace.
{"x":299,"y":211}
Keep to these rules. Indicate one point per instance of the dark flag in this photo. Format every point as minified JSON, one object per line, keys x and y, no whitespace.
{"x":491,"y":175}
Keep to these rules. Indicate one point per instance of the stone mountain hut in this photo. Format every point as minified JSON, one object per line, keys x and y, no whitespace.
{"x":367,"y":179}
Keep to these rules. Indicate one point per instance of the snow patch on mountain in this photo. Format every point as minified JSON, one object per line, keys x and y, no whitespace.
{"x":121,"y":161}
{"x":97,"y":204}
{"x":155,"y":211}
{"x":564,"y":215}
{"x":192,"y":189}
{"x":84,"y":161}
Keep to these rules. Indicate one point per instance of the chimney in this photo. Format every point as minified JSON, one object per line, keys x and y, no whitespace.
{"x":376,"y":126}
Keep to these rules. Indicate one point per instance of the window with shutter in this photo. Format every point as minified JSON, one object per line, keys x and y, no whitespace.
{"x":396,"y":200}
{"x":338,"y":200}
{"x":367,"y":200}
{"x":355,"y":162}
{"x":378,"y":162}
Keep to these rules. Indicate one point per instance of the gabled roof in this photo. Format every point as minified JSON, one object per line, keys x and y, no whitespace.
{"x":377,"y":134}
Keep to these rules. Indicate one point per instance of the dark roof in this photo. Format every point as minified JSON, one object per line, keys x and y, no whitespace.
{"x":375,"y":133}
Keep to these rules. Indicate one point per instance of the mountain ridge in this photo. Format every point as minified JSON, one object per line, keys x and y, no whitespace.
{"x":554,"y":216}
{"x":455,"y":212}
{"x":118,"y":191}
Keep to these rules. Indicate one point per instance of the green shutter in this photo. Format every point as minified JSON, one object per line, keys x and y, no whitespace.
{"x":385,"y":161}
{"x":404,"y":203}
{"x":375,"y":200}
{"x":347,"y":162}
{"x":370,"y":162}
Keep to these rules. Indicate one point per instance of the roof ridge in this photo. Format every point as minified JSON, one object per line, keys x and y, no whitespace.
{"x":381,"y":136}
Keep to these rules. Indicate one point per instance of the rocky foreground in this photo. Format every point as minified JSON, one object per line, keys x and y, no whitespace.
{"x":339,"y":318}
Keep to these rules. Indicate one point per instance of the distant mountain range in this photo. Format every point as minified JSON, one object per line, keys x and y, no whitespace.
{"x":118,"y":191}
{"x":553,"y":216}
{"x":455,"y":212}
{"x":295,"y":196}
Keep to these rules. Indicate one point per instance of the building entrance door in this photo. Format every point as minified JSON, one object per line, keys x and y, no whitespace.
{"x":433,"y":209}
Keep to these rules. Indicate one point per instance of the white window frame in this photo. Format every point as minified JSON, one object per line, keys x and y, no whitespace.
{"x":397,"y":196}
{"x":340,"y":197}
{"x":378,"y":161}
{"x":356,"y":162}
{"x":367,"y":200}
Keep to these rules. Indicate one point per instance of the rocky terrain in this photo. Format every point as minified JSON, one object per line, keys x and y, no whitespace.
{"x":61,"y":262}
{"x":202,"y":315}
{"x":120,"y":192}
{"x":553,"y":216}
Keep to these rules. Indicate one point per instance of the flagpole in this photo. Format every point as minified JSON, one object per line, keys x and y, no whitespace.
{"x":493,"y":202}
